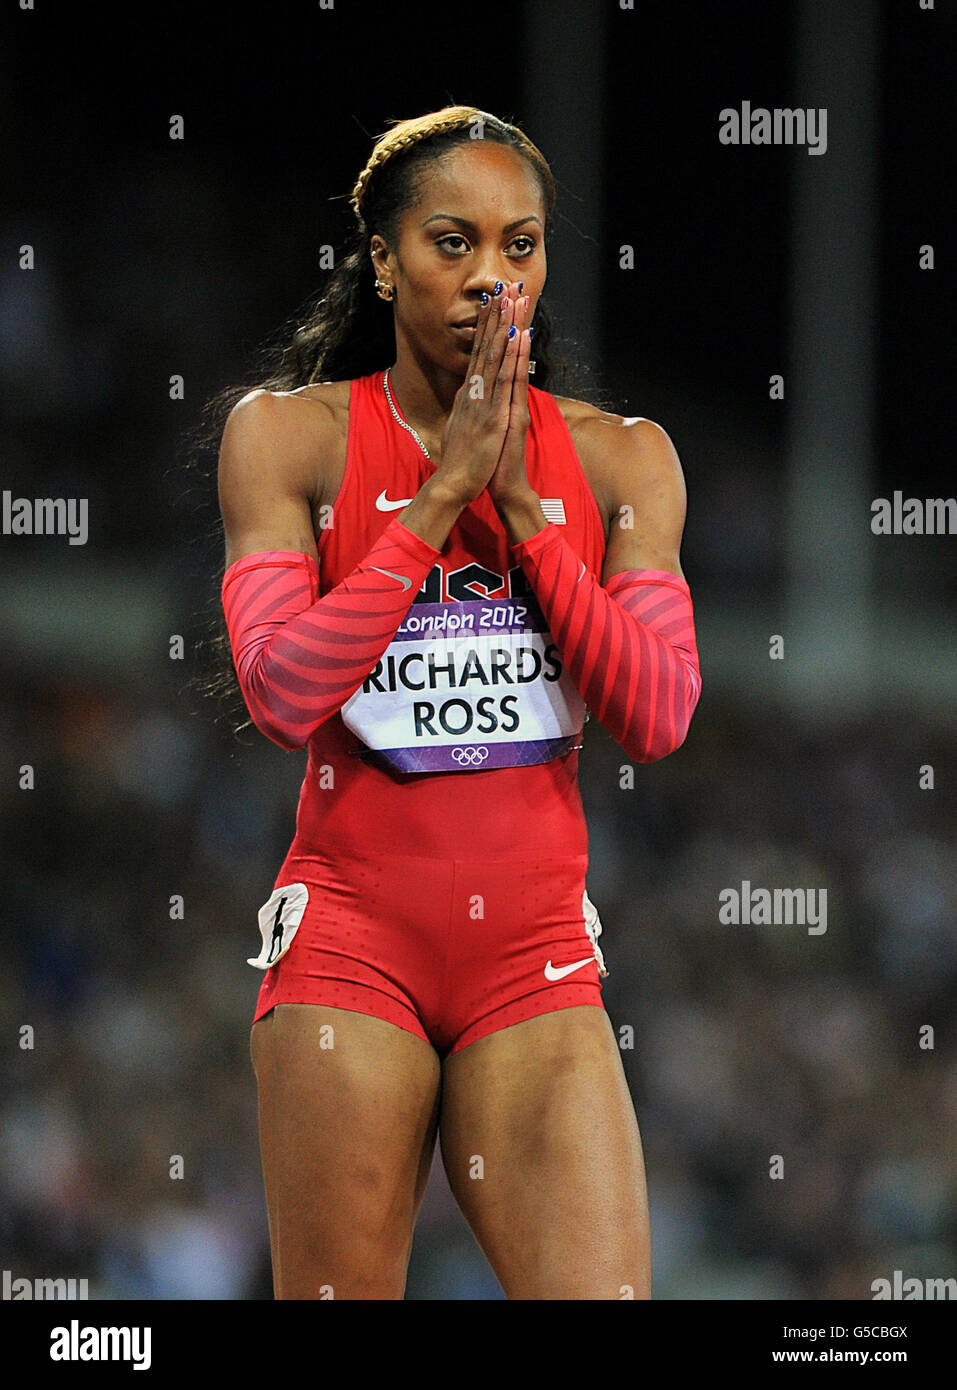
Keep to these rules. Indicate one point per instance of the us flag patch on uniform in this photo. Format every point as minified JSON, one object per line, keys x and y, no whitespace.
{"x":554,"y":509}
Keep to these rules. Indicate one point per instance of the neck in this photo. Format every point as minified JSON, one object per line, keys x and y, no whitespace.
{"x":423,"y":393}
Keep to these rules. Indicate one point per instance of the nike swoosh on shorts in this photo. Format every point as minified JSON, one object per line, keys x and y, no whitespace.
{"x":558,"y":972}
{"x":405,"y":582}
{"x":384,"y":504}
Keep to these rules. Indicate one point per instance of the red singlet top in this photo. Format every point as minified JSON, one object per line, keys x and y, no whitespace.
{"x":350,"y":801}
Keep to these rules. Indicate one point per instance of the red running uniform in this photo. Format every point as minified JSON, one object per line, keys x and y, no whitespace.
{"x":437,"y":875}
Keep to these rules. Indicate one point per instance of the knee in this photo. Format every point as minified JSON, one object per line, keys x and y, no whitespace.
{"x":360,"y":1264}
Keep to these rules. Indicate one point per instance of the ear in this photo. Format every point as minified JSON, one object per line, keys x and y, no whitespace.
{"x":381,"y":257}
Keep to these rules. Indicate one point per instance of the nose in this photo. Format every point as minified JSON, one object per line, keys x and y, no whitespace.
{"x":486,"y":277}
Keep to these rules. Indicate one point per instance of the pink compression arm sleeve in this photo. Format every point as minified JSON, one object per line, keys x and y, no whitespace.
{"x":299,"y":657}
{"x":629,"y":646}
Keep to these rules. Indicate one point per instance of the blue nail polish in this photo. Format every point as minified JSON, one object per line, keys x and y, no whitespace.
{"x":499,"y":287}
{"x":484,"y":297}
{"x":521,"y":286}
{"x":511,"y":331}
{"x":531,"y":334}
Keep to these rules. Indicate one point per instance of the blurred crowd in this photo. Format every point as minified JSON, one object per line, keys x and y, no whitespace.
{"x":740,"y":1043}
{"x":128,"y":1129}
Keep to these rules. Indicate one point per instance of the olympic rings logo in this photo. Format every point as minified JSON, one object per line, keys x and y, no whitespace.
{"x":470,"y":757}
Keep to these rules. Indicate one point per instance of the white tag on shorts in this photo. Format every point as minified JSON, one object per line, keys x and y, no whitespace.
{"x":594,"y":929}
{"x":279,"y":919}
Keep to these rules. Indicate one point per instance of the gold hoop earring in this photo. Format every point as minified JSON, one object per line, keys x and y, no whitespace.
{"x":385,"y":291}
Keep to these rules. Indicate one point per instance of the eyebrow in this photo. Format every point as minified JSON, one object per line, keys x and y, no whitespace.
{"x":464,"y":222}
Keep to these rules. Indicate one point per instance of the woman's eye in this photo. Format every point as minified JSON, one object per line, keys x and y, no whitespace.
{"x":526,"y":244}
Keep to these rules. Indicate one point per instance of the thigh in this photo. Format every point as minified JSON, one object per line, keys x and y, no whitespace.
{"x":542,"y":1151}
{"x":348,"y":1108}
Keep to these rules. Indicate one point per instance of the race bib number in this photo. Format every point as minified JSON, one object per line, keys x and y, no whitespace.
{"x":468,"y":686}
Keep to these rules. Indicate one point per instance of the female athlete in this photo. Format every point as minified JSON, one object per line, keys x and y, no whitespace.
{"x":433,"y":569}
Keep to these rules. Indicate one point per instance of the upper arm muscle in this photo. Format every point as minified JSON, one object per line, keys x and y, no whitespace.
{"x":649,"y":501}
{"x":268,"y":471}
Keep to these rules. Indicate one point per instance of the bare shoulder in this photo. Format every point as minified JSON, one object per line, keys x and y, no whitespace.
{"x":322,"y":407}
{"x":620,"y":452}
{"x":602,"y":427}
{"x":297,"y":434}
{"x":329,"y":398}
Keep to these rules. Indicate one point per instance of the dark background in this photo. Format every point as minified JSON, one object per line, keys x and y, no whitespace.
{"x":156,"y":257}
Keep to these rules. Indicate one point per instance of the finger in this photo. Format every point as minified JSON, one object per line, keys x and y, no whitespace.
{"x":498,"y":341}
{"x":520,"y":385}
{"x":519,"y":318}
{"x":494,"y":341}
{"x":518,"y":399}
{"x":485,"y":327}
{"x":485,"y":317}
{"x":505,"y":377}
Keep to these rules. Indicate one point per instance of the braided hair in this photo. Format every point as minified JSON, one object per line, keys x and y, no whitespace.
{"x":473,"y":123}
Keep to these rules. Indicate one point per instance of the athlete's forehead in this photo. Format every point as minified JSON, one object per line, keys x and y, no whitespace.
{"x":481,"y":183}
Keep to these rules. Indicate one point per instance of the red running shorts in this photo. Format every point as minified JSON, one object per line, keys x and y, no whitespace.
{"x":448,"y":949}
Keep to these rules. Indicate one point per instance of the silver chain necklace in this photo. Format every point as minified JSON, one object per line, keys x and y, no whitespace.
{"x":399,"y":419}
